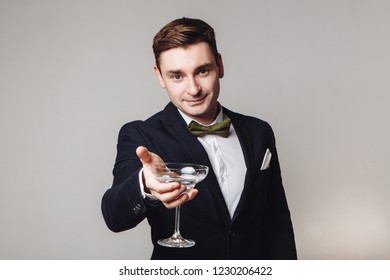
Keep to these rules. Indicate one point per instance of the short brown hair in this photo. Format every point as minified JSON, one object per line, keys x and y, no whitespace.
{"x":183,"y":32}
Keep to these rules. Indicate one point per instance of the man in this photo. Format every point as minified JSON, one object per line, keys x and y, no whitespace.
{"x":239,"y":211}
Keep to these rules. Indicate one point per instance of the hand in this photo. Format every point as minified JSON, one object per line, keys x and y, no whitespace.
{"x":170,"y":194}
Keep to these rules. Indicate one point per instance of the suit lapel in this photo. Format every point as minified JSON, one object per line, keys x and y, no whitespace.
{"x":244,"y":136}
{"x":177,"y":126}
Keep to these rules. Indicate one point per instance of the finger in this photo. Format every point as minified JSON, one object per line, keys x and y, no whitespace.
{"x":184,"y":197}
{"x":192,"y":194}
{"x":177,"y":202}
{"x":169,"y":192}
{"x":143,"y":154}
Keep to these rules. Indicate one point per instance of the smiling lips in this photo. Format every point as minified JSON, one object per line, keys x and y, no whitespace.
{"x":196,"y":101}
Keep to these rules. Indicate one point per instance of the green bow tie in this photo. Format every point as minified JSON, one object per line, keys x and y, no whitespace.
{"x":220,"y":129}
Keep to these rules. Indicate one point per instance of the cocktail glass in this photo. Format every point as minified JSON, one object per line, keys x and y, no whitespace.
{"x":187,"y":174}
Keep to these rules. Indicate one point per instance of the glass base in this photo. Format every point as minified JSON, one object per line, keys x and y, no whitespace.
{"x":176,"y":242}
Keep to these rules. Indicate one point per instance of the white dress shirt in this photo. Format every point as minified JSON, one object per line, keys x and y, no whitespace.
{"x":227,"y":160}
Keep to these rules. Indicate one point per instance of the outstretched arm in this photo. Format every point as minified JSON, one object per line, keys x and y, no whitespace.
{"x":124,"y":205}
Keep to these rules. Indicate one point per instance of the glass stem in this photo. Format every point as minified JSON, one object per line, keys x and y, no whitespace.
{"x":176,"y":233}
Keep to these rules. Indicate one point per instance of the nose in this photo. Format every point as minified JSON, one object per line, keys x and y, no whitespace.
{"x":193,"y":88}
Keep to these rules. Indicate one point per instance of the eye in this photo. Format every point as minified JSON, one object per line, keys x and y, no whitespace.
{"x":176,"y":77}
{"x":204,"y":71}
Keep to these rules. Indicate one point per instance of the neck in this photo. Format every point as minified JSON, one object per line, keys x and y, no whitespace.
{"x":210,"y":117}
{"x":202,"y":120}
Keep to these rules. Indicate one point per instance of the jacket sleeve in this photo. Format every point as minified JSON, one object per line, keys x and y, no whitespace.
{"x":123,"y":206}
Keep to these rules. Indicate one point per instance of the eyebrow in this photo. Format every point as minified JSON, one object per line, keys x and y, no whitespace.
{"x":205,"y":65}
{"x":173,"y":72}
{"x":178,"y":71}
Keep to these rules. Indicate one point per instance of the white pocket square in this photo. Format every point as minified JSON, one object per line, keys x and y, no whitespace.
{"x":266,"y":160}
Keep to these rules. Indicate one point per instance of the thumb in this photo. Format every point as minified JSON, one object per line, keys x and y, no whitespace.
{"x":143,"y":154}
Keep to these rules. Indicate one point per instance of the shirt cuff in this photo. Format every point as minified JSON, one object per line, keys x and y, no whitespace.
{"x":145,"y":195}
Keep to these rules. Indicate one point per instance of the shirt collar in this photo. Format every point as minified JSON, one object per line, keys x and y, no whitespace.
{"x":187,"y":119}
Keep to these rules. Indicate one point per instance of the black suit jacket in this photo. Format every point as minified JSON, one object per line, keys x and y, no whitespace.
{"x":261,"y":227}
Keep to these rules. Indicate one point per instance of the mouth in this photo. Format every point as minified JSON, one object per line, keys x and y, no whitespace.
{"x":197,"y":101}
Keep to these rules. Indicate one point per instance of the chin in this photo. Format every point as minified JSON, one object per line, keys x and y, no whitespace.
{"x":193,"y":110}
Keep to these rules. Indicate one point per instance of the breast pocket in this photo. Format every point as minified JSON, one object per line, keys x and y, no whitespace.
{"x":262,"y":179}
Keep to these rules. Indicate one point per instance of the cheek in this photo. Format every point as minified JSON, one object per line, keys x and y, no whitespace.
{"x":211,"y":83}
{"x":213,"y":86}
{"x":174,"y":91}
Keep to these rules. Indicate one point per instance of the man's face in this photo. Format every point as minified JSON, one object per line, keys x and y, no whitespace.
{"x":191,"y":77}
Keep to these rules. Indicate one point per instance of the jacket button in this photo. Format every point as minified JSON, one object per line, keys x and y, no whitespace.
{"x":232,"y":233}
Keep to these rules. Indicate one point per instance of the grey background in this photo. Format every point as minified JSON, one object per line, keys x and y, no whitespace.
{"x":73,"y":72}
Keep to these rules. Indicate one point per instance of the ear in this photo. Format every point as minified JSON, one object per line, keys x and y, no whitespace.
{"x":159,"y":76}
{"x":220,"y":66}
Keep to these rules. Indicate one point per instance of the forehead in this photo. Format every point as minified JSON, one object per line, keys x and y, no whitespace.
{"x":186,"y":58}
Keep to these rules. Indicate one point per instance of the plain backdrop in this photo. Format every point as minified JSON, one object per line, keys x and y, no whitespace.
{"x":73,"y":72}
